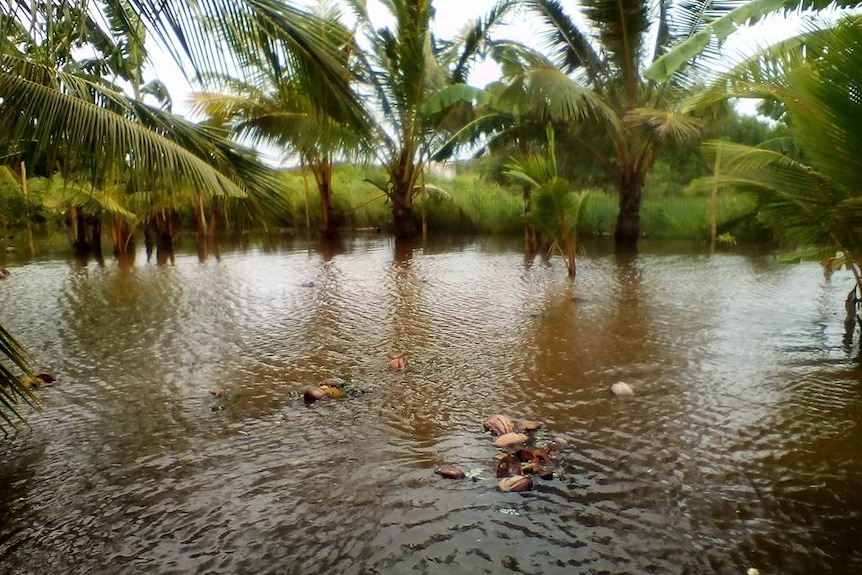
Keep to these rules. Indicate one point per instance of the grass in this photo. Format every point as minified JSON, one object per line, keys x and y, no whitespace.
{"x":473,"y":204}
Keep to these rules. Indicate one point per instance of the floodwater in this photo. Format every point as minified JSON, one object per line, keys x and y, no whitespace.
{"x":741,"y":448}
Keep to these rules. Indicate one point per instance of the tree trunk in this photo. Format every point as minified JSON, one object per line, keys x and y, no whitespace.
{"x":403,"y":226}
{"x":531,"y":242}
{"x":327,"y":223}
{"x":628,"y":220}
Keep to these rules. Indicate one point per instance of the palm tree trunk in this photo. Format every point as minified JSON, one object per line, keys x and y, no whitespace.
{"x":531,"y":242}
{"x":628,"y":219}
{"x":403,"y":226}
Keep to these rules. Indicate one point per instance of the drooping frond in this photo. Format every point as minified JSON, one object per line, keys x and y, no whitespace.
{"x":547,"y":94}
{"x":59,"y":116}
{"x":475,"y":41}
{"x":12,"y":391}
{"x":715,"y":32}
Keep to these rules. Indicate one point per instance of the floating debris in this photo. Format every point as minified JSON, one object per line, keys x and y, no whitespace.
{"x":37,"y":381}
{"x":397,"y":364}
{"x":529,"y":426}
{"x":511,"y":439}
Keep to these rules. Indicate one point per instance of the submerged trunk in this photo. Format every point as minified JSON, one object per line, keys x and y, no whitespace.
{"x":531,"y":242}
{"x":403,"y":226}
{"x":628,"y":220}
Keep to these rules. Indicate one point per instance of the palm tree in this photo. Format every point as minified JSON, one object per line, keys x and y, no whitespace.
{"x":275,"y":108}
{"x":557,"y":207}
{"x":89,"y":125}
{"x":406,"y":68}
{"x":810,"y":187}
{"x":619,"y":54}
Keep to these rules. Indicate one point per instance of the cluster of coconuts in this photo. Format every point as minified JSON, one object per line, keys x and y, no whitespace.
{"x":335,"y":387}
{"x":516,"y":464}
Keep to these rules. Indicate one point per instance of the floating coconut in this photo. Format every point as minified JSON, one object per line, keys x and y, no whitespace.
{"x":511,"y":440}
{"x":314,"y":393}
{"x":499,"y":425}
{"x":449,"y":471}
{"x":622,"y":389}
{"x":333,"y":392}
{"x":515,"y":483}
{"x":397,"y":364}
{"x":38,"y":380}
{"x":529,"y":426}
{"x":335,"y":382}
{"x":219,"y":392}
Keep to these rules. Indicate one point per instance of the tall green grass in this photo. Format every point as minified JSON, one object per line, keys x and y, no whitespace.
{"x":472,"y":204}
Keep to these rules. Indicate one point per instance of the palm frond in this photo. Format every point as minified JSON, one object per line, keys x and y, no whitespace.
{"x":12,"y":391}
{"x":570,"y":47}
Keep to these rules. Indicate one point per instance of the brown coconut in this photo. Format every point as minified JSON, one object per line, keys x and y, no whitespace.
{"x":511,"y":440}
{"x":515,"y":483}
{"x":449,"y":471}
{"x":499,"y":425}
{"x":314,"y":393}
{"x":529,"y":426}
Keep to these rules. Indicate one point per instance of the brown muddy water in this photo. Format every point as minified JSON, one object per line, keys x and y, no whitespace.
{"x":739,"y":450}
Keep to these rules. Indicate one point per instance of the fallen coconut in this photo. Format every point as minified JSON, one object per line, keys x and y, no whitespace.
{"x":499,"y":425}
{"x":622,"y":389}
{"x":333,"y":392}
{"x":397,"y":364}
{"x":508,"y":465}
{"x":335,"y":382}
{"x":529,"y":426}
{"x":515,"y":483}
{"x":314,"y":393}
{"x":449,"y":471}
{"x":511,"y":440}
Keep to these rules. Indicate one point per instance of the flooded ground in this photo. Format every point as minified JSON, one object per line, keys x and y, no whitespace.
{"x":740,"y":448}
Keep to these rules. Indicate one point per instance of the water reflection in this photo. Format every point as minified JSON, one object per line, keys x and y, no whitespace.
{"x":738,"y":449}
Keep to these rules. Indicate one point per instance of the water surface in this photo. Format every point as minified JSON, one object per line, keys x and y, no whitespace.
{"x":740,"y":448}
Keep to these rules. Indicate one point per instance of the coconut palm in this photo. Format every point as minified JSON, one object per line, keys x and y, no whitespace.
{"x":406,"y":67}
{"x":811,"y":189}
{"x":274,"y":108}
{"x":89,"y":125}
{"x":610,"y":53}
{"x":557,"y":206}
